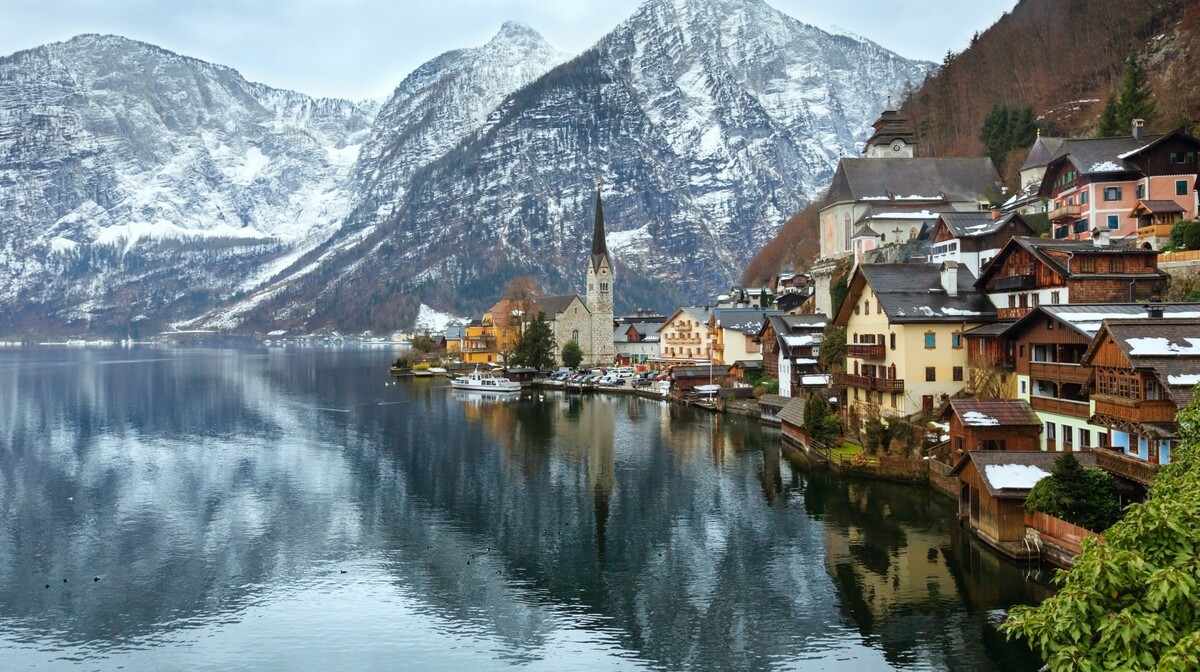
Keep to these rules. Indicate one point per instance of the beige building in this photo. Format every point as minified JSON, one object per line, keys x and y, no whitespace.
{"x":685,"y":336}
{"x":905,"y":350}
{"x":734,"y":332}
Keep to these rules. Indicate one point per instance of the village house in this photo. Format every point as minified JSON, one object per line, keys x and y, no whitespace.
{"x":479,"y":343}
{"x":991,"y":424}
{"x":453,"y":336}
{"x":993,"y":487}
{"x":1142,"y":372}
{"x":904,"y":336}
{"x":895,"y":194}
{"x":973,"y":238}
{"x":636,"y":342}
{"x":735,"y":333}
{"x":684,"y":336}
{"x":1133,"y":187}
{"x":1027,"y":200}
{"x":1028,"y":272}
{"x":791,"y":345}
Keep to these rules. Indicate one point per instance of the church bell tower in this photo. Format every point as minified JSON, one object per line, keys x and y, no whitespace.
{"x":600,"y":292}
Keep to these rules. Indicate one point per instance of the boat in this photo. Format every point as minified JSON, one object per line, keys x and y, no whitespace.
{"x":484,"y":382}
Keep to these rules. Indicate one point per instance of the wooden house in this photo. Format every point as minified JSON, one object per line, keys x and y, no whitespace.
{"x":973,"y":238}
{"x":1029,"y":272}
{"x":790,"y":348}
{"x":1142,"y":373}
{"x":991,"y":424}
{"x":993,"y":486}
{"x":687,"y":378}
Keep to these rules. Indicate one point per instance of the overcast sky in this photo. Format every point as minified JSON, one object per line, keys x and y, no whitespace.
{"x":364,"y":48}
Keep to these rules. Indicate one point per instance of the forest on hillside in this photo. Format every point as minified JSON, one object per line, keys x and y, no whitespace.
{"x":1063,"y":59}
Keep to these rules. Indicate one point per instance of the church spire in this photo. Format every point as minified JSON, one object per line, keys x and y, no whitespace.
{"x":599,"y":246}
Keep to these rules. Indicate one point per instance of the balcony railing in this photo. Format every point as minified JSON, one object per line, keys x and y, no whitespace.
{"x":1160,"y":230}
{"x":1058,"y":373}
{"x":1065,"y":212}
{"x":871,"y":383}
{"x":865,"y":350}
{"x":1073,"y":409}
{"x":1121,"y":464}
{"x":1014,"y":282}
{"x":1012,"y":313}
{"x":1135,"y":411}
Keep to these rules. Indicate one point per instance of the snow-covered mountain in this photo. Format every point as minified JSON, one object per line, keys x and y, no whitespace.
{"x":139,"y":187}
{"x":708,"y":121}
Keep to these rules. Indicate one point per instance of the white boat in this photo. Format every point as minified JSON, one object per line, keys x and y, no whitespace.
{"x":484,"y":382}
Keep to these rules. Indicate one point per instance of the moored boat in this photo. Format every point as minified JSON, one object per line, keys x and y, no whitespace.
{"x":484,"y":382}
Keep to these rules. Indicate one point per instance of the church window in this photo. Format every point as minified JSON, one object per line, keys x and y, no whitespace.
{"x":575,"y":335}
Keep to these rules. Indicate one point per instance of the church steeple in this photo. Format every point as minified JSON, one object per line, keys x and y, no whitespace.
{"x":599,"y":245}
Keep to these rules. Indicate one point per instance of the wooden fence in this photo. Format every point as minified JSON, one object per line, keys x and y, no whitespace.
{"x":1058,"y":531}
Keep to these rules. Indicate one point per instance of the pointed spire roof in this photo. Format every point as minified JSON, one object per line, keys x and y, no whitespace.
{"x":599,"y":246}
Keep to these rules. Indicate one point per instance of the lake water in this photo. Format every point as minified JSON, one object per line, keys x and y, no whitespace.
{"x":193,"y":509}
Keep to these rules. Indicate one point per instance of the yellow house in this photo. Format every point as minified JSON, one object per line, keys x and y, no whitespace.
{"x":905,"y":350}
{"x":494,"y":336}
{"x":734,"y":332}
{"x":479,"y":343}
{"x":454,"y":340}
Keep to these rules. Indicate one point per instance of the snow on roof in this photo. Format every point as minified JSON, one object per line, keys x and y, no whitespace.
{"x":924,"y":214}
{"x":814,"y":380}
{"x":977,"y":419}
{"x":797,"y":341}
{"x":1106,"y":167}
{"x":1131,"y":152}
{"x":1015,"y":476}
{"x":1162,"y":347}
{"x":1184,"y":379}
{"x":929,"y":312}
{"x":804,"y":360}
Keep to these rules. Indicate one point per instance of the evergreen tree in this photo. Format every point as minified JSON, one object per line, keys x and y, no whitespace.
{"x":572,"y":354}
{"x":535,"y":348}
{"x":1082,"y":496}
{"x":1134,"y":100}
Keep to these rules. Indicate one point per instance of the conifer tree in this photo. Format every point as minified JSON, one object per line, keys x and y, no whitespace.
{"x":1134,"y":100}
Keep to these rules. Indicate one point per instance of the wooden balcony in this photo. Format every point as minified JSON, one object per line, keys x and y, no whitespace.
{"x":1014,"y":282}
{"x":1134,"y":411}
{"x":1065,"y":212}
{"x":870,"y":383}
{"x":1072,"y":409}
{"x":1160,"y":230}
{"x":1059,"y":373}
{"x":1123,"y":465}
{"x":1006,"y":314}
{"x":865,"y":350}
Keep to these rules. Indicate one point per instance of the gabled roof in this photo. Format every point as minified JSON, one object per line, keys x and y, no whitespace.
{"x":1103,"y":156}
{"x":993,"y":413}
{"x":1086,"y":318}
{"x":1170,"y":347}
{"x":773,"y":400}
{"x":912,"y":293}
{"x":1044,"y":151}
{"x":1157,"y":207}
{"x":453,"y":332}
{"x":793,"y":412}
{"x":924,"y":179}
{"x":1011,"y":474}
{"x":794,"y":331}
{"x":978,"y":224}
{"x":700,"y":371}
{"x":696,"y":313}
{"x":1040,"y":248}
{"x":648,"y":330}
{"x":553,"y":305}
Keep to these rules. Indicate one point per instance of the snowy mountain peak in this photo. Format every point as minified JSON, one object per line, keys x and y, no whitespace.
{"x":517,"y":30}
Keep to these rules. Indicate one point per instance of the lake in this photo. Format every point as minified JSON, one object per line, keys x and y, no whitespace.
{"x":297,"y":509}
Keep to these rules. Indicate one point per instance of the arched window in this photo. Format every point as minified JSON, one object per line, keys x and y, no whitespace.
{"x":575,"y":335}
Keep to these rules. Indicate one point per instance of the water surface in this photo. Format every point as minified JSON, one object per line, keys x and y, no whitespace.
{"x":296,"y":509}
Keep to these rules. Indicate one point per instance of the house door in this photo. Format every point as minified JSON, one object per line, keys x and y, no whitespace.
{"x":927,"y":402}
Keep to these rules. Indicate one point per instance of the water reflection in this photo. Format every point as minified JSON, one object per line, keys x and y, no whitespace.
{"x":202,"y":487}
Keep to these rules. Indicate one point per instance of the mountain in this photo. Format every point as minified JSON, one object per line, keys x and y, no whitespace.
{"x":708,"y":122}
{"x":140,"y":188}
{"x":134,"y":181}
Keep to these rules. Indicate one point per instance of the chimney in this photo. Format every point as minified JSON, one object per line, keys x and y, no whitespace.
{"x":996,"y":212}
{"x":1139,"y":125}
{"x":949,"y":273}
{"x":1154,"y":310}
{"x":1100,"y":237}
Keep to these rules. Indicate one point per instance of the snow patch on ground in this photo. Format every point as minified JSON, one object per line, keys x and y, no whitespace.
{"x":1016,"y":476}
{"x":435,"y":322}
{"x":127,"y":236}
{"x":631,"y":240}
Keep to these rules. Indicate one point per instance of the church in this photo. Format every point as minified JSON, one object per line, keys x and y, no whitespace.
{"x":589,"y":323}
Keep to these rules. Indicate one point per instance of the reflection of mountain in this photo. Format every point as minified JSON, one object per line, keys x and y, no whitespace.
{"x":204,"y":480}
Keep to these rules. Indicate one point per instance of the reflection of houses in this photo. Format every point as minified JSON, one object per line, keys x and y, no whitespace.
{"x":991,"y":424}
{"x":973,"y":238}
{"x":993,"y":486}
{"x":1142,"y":373}
{"x":1029,"y":272}
{"x":684,"y":336}
{"x":790,"y":348}
{"x":904,"y":335}
{"x":1102,"y":184}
